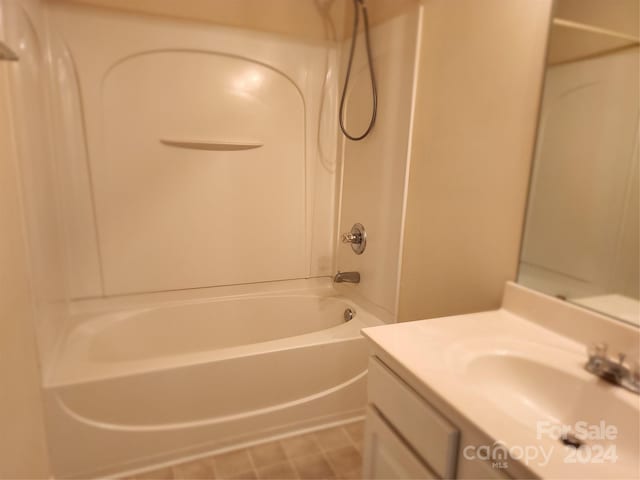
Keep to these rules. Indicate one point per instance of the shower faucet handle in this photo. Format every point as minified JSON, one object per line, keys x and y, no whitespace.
{"x":351,"y":238}
{"x":357,"y":237}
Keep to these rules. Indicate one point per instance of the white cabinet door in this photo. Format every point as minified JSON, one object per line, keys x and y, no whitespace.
{"x":433,"y":438}
{"x":385,"y":454}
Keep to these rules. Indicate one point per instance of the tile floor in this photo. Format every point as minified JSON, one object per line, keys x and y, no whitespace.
{"x":331,"y":453}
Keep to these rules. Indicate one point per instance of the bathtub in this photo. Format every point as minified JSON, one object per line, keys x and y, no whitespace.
{"x":144,"y":386}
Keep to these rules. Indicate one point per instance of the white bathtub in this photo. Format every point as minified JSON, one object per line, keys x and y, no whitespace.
{"x":147,"y":385}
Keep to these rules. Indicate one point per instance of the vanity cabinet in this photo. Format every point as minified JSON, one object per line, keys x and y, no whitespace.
{"x":485,"y":395}
{"x":405,"y":437}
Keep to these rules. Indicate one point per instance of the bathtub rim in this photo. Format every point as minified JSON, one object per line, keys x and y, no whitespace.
{"x":104,"y":321}
{"x":72,"y":365}
{"x":66,"y":375}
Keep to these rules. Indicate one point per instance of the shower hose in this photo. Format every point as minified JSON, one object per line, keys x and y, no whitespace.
{"x":358,"y":5}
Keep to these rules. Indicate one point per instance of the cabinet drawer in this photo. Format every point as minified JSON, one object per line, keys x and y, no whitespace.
{"x":386,"y":456}
{"x":432,"y":436}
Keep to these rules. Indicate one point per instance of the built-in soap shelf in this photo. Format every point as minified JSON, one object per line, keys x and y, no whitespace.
{"x":212,"y":145}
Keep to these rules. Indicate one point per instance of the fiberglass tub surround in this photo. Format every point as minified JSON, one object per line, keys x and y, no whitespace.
{"x":197,"y":172}
{"x":214,"y":123}
{"x":233,"y":131}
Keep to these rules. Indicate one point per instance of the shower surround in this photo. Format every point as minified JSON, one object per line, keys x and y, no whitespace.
{"x":182,"y":214}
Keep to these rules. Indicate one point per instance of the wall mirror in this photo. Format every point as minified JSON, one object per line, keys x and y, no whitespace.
{"x":580,"y":240}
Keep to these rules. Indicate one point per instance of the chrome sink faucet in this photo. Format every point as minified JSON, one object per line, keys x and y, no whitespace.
{"x":612,"y":370}
{"x":347,"y":277}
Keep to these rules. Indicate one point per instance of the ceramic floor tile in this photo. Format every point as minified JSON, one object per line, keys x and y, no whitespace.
{"x":250,"y":475}
{"x":344,"y":460}
{"x":332,"y":438}
{"x":324,"y":454}
{"x":232,"y":463}
{"x":355,"y":474}
{"x":279,"y":471}
{"x":355,"y":431}
{"x":313,"y":466}
{"x":267,"y":454}
{"x":196,"y":470}
{"x":300,"y":445}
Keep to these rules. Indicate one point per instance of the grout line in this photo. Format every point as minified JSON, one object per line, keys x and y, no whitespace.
{"x":331,"y":467}
{"x":322,"y":454}
{"x":286,"y":460}
{"x":252,"y":461}
{"x":321,"y":451}
{"x":289,"y":459}
{"x":214,"y":465}
{"x":294,"y":469}
{"x":353,"y":442}
{"x":324,"y":451}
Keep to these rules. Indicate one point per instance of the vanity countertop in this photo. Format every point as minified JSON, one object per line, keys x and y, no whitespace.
{"x":517,"y":381}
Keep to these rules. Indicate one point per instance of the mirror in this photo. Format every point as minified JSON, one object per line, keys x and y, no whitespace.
{"x":580,"y":240}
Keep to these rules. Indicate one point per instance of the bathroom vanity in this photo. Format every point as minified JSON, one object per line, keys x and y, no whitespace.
{"x":500,"y":394}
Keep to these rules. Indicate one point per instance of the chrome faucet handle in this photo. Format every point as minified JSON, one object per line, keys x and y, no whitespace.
{"x":357,"y":237}
{"x":621,"y":372}
{"x":351,"y":238}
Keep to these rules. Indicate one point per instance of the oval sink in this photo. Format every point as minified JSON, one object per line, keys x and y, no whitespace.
{"x":537,"y":395}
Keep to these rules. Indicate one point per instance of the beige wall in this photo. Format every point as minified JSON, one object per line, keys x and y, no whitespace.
{"x":479,"y":87}
{"x":22,"y":443}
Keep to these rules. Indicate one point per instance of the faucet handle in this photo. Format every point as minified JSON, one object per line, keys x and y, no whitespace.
{"x":357,"y":237}
{"x":351,"y":238}
{"x":597,"y":350}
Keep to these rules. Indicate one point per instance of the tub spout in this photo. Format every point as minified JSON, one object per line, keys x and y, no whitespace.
{"x":347,"y":277}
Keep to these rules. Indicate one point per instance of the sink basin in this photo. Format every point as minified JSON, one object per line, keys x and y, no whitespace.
{"x":538,"y":391}
{"x":545,"y":398}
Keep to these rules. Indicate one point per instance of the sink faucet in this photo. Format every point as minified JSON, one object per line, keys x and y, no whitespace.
{"x":614,"y":371}
{"x":347,"y":277}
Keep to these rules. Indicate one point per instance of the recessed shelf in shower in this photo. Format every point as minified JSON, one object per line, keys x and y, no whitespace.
{"x":213,"y":145}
